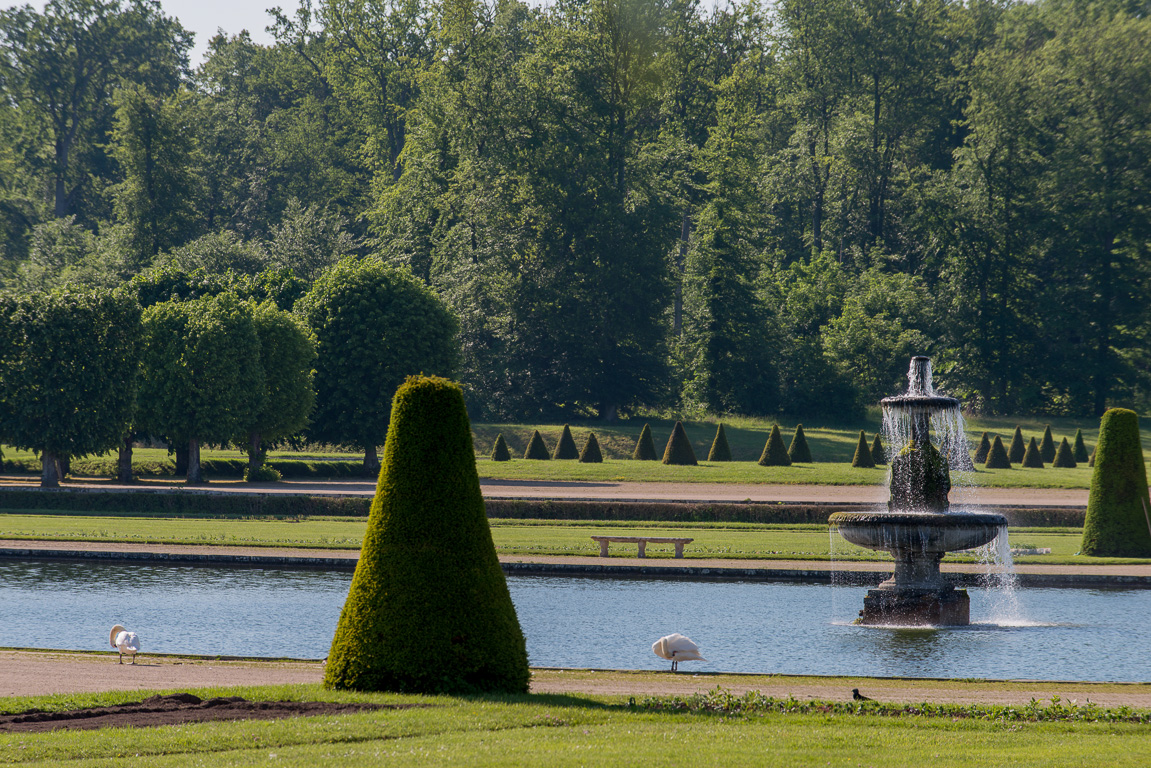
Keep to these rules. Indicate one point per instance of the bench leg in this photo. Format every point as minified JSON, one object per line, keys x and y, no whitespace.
{"x":642,"y":549}
{"x":603,"y":549}
{"x":679,"y":549}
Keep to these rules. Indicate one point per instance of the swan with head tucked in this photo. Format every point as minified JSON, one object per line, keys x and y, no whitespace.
{"x":676,"y":648}
{"x":125,"y":642}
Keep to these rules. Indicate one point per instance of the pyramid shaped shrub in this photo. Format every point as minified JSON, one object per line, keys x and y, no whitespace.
{"x":591,"y":453}
{"x":983,"y":449}
{"x":720,"y":450}
{"x":1064,"y":457}
{"x":997,"y":457}
{"x":798,"y":451}
{"x":428,"y":610}
{"x":1118,"y":522}
{"x":774,"y":454}
{"x":500,"y":450}
{"x":1032,"y":459}
{"x":1081,"y":453}
{"x":1017,"y":448}
{"x":1047,"y":446}
{"x":678,"y":449}
{"x":878,"y":454}
{"x":645,"y":446}
{"x":862,"y":457}
{"x":537,"y":449}
{"x":566,"y":447}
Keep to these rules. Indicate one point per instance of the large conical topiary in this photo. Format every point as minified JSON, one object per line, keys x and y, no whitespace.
{"x":591,"y":453}
{"x":1064,"y":457}
{"x":862,"y":457}
{"x":774,"y":453}
{"x":1031,"y":457}
{"x":878,"y":455}
{"x":983,"y":449}
{"x":1118,"y":522}
{"x":645,"y":446}
{"x":500,"y":450}
{"x":537,"y":448}
{"x":1081,"y":452}
{"x":997,"y":457}
{"x":1047,"y":446}
{"x":428,"y":610}
{"x":798,"y":451}
{"x":566,"y":447}
{"x":1017,"y":448}
{"x":678,"y":449}
{"x":720,"y":450}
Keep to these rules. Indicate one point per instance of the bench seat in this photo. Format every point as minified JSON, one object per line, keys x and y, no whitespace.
{"x":642,"y":541}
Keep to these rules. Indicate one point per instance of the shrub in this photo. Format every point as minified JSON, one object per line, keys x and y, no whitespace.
{"x":566,"y":447}
{"x":500,"y":450}
{"x":678,"y":449}
{"x":878,"y":455}
{"x":1018,"y":447}
{"x":537,"y":449}
{"x":1047,"y":446}
{"x":1081,"y":453}
{"x":1091,"y":459}
{"x":798,"y":451}
{"x":261,"y":474}
{"x":645,"y":446}
{"x":862,"y":456}
{"x":774,"y":454}
{"x":1064,"y":457}
{"x":720,"y":450}
{"x":1032,"y":458}
{"x":997,"y":457}
{"x":1118,"y":521}
{"x":428,"y":610}
{"x":591,"y":453}
{"x":982,"y":450}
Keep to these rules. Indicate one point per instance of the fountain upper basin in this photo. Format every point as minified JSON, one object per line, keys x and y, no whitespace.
{"x":918,"y":531}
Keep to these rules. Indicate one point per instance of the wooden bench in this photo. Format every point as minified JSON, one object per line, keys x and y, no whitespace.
{"x":642,"y":542}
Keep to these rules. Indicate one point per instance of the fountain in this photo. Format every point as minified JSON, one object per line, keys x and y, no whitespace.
{"x":918,"y":528}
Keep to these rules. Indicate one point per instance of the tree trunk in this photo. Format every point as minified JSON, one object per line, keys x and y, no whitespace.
{"x":680,"y":267}
{"x":255,"y":454}
{"x":371,"y":462}
{"x":50,"y":472}
{"x":195,"y":476}
{"x":181,"y":460}
{"x":64,"y":461}
{"x":124,"y":463}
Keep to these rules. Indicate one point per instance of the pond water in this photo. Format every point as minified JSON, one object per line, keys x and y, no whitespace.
{"x":1050,"y":634}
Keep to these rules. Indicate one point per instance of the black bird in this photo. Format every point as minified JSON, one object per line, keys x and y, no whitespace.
{"x":855,"y":694}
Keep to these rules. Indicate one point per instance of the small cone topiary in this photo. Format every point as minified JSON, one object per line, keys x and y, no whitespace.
{"x":537,"y":449}
{"x":878,"y":455}
{"x":678,"y":449}
{"x":1047,"y":446}
{"x":798,"y":451}
{"x":997,"y":457}
{"x":774,"y":454}
{"x":863,"y":458}
{"x":1064,"y":457}
{"x":500,"y":450}
{"x":1031,"y":457}
{"x":983,"y":449}
{"x":428,"y":610}
{"x":1081,"y":453}
{"x":1018,"y":447}
{"x":591,"y":453}
{"x":566,"y":447}
{"x":1118,"y":522}
{"x":645,"y":446}
{"x":720,"y":450}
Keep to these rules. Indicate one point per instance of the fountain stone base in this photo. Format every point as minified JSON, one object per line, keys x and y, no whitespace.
{"x":948,"y":607}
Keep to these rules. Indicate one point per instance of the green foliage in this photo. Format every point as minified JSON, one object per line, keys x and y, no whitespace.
{"x":645,"y":446}
{"x":863,"y":457}
{"x":878,"y":454}
{"x":1118,"y":522}
{"x":537,"y":449}
{"x":678,"y":449}
{"x":287,"y":352}
{"x":997,"y":457}
{"x":591,"y":453}
{"x":566,"y":447}
{"x":309,"y":239}
{"x":1047,"y":446}
{"x":1081,"y":453}
{"x":1018,"y":447}
{"x":500,"y":450}
{"x":983,"y":449}
{"x":720,"y":450}
{"x":1065,"y":457}
{"x":261,"y":474}
{"x":774,"y":453}
{"x":798,"y":451}
{"x":428,"y":609}
{"x":1032,"y":458}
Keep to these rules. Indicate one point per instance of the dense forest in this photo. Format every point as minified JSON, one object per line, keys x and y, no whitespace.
{"x":628,"y":204}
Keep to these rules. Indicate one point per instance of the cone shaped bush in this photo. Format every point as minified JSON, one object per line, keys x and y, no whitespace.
{"x":1031,"y":457}
{"x":1018,"y":447}
{"x":537,"y":449}
{"x":997,"y":457}
{"x":566,"y":447}
{"x":591,"y":453}
{"x":1118,"y":522}
{"x":878,"y":455}
{"x":983,"y":449}
{"x":428,"y":610}
{"x":678,"y":449}
{"x":720,"y":450}
{"x":645,"y":446}
{"x":774,"y":454}
{"x":500,"y":450}
{"x":1080,"y":449}
{"x":1064,"y":457}
{"x":1047,"y":446}
{"x":798,"y":451}
{"x":862,"y":456}
{"x":1091,"y":459}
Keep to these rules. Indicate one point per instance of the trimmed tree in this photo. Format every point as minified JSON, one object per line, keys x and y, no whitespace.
{"x":1032,"y":459}
{"x":983,"y":449}
{"x":798,"y":451}
{"x":1047,"y":446}
{"x":1064,"y":457}
{"x":1118,"y":521}
{"x":537,"y":449}
{"x":500,"y":450}
{"x":997,"y":457}
{"x":720,"y":450}
{"x":591,"y":453}
{"x":566,"y":447}
{"x":428,"y":610}
{"x":1081,"y":452}
{"x":678,"y":449}
{"x":774,"y":453}
{"x":1017,"y":448}
{"x":645,"y":446}
{"x":862,"y":457}
{"x":878,"y":455}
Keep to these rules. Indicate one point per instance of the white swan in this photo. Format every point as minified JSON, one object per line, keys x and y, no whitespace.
{"x":677,"y":648}
{"x":124,"y":641}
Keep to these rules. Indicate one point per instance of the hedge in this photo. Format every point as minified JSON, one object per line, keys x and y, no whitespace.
{"x":645,"y":446}
{"x":863,"y":458}
{"x":1118,"y":522}
{"x":591,"y":453}
{"x":720,"y":450}
{"x":798,"y":451}
{"x":500,"y":450}
{"x":1064,"y":457}
{"x":997,"y":457}
{"x":1047,"y":447}
{"x":566,"y":447}
{"x":537,"y":449}
{"x":983,"y":449}
{"x":1033,"y":459}
{"x":1017,"y":448}
{"x":878,"y":454}
{"x":774,"y":453}
{"x":678,"y":450}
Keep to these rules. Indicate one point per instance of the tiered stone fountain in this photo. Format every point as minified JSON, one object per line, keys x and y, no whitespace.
{"x":918,"y":527}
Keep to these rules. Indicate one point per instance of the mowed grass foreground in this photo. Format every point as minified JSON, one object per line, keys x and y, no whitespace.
{"x":578,"y":730}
